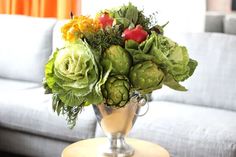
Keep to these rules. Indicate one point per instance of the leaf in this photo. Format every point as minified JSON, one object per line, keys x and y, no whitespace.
{"x":192,"y":64}
{"x":143,"y":21}
{"x":96,"y":97}
{"x":70,"y":98}
{"x":103,"y":39}
{"x":124,"y":21}
{"x":70,"y":111}
{"x":48,"y":90}
{"x":160,"y":58}
{"x":132,"y":13}
{"x":170,"y":82}
{"x":132,"y":16}
{"x":138,"y":57}
{"x":146,"y":45}
{"x":132,"y":47}
{"x":49,"y":70}
{"x":159,"y":29}
{"x":60,"y":107}
{"x":149,"y":90}
{"x":72,"y":114}
{"x":54,"y":102}
{"x":57,"y":104}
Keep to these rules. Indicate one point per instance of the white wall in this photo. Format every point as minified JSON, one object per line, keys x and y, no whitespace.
{"x":184,"y":15}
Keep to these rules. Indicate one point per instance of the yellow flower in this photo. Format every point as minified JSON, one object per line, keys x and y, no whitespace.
{"x":78,"y":26}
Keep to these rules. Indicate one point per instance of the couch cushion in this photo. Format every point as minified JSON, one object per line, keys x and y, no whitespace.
{"x":13,"y":85}
{"x":230,"y":24}
{"x":188,"y":131}
{"x":26,"y":43}
{"x":57,"y":41}
{"x":214,"y":22}
{"x":214,"y":81}
{"x":29,"y":110}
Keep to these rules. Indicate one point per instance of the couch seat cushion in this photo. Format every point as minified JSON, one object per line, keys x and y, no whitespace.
{"x":188,"y":131}
{"x":13,"y":85}
{"x":27,"y":109}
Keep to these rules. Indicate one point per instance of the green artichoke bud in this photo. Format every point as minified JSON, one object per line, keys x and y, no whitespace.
{"x":146,"y":76}
{"x":119,"y":58}
{"x":116,"y":90}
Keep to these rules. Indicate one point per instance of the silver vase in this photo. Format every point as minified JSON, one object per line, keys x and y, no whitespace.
{"x":116,"y":124}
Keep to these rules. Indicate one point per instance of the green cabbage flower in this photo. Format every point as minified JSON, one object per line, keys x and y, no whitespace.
{"x":116,"y":90}
{"x":146,"y":77}
{"x":73,"y":75}
{"x":118,"y":58}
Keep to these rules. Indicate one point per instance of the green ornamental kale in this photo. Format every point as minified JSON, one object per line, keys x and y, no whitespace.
{"x":146,"y":77}
{"x":72,"y":73}
{"x":118,"y":58}
{"x":74,"y":78}
{"x":116,"y":90}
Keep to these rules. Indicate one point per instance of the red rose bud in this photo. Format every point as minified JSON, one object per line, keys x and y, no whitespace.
{"x":137,"y":34}
{"x":105,"y":20}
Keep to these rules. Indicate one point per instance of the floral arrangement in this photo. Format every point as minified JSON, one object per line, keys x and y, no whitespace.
{"x":107,"y":58}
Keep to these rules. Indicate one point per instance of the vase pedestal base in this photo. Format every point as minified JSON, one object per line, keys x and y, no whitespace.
{"x":116,"y":147}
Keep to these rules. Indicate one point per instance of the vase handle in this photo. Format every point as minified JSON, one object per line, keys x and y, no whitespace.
{"x":142,"y":103}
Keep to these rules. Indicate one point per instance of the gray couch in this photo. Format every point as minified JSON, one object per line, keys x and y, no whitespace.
{"x":220,"y":22}
{"x":198,"y":123}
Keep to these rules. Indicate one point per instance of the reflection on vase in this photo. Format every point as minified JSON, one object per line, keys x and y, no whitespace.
{"x":116,"y":124}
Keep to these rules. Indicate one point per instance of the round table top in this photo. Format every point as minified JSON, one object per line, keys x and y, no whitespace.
{"x":90,"y":148}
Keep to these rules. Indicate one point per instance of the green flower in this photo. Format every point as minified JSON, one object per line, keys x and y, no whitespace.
{"x":73,"y":74}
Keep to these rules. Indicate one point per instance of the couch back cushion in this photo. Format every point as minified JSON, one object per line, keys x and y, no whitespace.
{"x":58,"y":41}
{"x":26,"y":43}
{"x":230,"y":24}
{"x":214,"y":81}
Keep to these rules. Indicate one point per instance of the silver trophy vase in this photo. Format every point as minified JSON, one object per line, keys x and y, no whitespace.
{"x":116,"y":124}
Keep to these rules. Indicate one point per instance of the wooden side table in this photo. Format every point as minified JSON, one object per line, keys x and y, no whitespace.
{"x":90,"y":148}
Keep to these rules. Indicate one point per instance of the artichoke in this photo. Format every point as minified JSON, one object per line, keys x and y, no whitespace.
{"x":118,"y":58}
{"x":116,"y":90}
{"x":146,"y":76}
